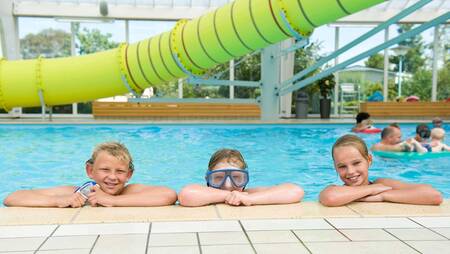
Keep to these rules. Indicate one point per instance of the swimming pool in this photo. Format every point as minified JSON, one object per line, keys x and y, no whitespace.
{"x":37,"y":156}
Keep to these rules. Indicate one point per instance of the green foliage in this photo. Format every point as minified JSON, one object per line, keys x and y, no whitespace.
{"x":91,"y":41}
{"x":415,"y":57}
{"x":375,"y":61}
{"x":372,"y":88}
{"x":49,"y":43}
{"x":419,"y":85}
{"x":443,"y":91}
{"x":326,"y":85}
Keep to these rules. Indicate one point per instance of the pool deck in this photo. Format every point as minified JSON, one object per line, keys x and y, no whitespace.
{"x":307,"y":227}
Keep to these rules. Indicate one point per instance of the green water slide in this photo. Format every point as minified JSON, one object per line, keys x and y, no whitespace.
{"x":191,"y":47}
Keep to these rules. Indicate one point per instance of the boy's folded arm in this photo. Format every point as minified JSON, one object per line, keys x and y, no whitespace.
{"x":280,"y":194}
{"x":199,"y":195}
{"x":50,"y":197}
{"x":143,"y":195}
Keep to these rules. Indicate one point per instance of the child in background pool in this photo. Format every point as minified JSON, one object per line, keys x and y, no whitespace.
{"x":363,"y":122}
{"x":352,"y":161}
{"x":437,"y":139}
{"x":226,"y":179}
{"x":111,"y":167}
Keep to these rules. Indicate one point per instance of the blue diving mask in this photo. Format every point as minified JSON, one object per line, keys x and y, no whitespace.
{"x":217,"y":178}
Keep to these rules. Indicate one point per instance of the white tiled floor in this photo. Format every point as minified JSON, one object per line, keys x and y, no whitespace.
{"x":69,"y":242}
{"x":368,"y":235}
{"x":337,"y":235}
{"x":26,"y":231}
{"x":102,"y":229}
{"x":373,"y":223}
{"x":195,"y":226}
{"x":411,"y":234}
{"x":378,"y":247}
{"x":285,"y":224}
{"x":272,"y":237}
{"x":120,"y":244}
{"x":431,"y":247}
{"x":20,"y":244}
{"x":173,"y":239}
{"x":433,"y":222}
{"x":221,"y":238}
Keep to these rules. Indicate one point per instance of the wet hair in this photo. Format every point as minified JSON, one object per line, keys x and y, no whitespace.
{"x":437,"y":133}
{"x":353,"y":141}
{"x":230,"y":155}
{"x":362,"y":116}
{"x":388,"y":131}
{"x":395,"y":125}
{"x":423,"y":131}
{"x":115,"y":149}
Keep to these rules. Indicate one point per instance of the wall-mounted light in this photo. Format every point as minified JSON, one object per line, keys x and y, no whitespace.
{"x":103,"y":8}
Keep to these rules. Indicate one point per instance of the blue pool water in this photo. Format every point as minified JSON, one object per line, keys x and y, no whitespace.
{"x":37,"y":156}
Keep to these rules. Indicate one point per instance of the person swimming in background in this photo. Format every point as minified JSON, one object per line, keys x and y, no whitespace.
{"x":437,"y":139}
{"x":437,"y":122}
{"x":391,"y":141}
{"x":352,"y":161}
{"x":111,"y":167}
{"x":226,"y":179}
{"x":422,"y":136}
{"x":363,"y":122}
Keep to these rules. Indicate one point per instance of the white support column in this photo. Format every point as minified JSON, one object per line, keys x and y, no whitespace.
{"x":386,"y":67}
{"x":180,"y":89}
{"x":286,"y":72}
{"x":127,"y":31}
{"x":73,"y":52}
{"x":270,"y":76}
{"x":336,"y":62}
{"x":435,"y":64}
{"x":232,"y":79}
{"x":10,"y":38}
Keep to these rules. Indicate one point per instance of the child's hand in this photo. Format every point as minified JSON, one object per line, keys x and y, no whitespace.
{"x":74,"y":200}
{"x":372,"y":198}
{"x":97,"y":197}
{"x":237,"y":198}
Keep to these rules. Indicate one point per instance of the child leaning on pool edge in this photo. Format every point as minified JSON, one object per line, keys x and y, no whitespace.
{"x":352,"y":161}
{"x":111,"y":167}
{"x":226,"y":179}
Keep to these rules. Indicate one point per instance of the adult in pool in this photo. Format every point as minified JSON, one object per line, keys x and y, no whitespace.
{"x":352,"y":161}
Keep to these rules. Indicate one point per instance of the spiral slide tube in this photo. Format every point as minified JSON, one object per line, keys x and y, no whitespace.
{"x":190,"y":48}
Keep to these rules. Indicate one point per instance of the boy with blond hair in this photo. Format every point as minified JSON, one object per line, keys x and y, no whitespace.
{"x":110,"y":167}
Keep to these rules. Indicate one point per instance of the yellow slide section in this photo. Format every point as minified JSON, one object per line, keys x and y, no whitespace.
{"x":193,"y":46}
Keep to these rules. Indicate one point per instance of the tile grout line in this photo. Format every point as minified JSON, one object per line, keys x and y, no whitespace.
{"x":298,"y":238}
{"x":148,"y":237}
{"x":217,"y":212}
{"x":75,"y":216}
{"x":248,"y":238}
{"x":198,"y":242}
{"x":428,"y":228}
{"x":46,"y":239}
{"x":93,"y":245}
{"x":355,"y":211}
{"x":384,"y":229}
{"x":337,"y":230}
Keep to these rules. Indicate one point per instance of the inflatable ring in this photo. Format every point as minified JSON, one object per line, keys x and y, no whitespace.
{"x":370,"y":131}
{"x":411,"y":155}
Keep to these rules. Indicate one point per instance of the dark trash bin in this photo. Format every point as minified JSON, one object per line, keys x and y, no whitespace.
{"x":301,"y":105}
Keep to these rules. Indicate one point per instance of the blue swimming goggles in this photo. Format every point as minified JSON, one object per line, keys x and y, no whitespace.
{"x":85,"y":189}
{"x":217,"y":178}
